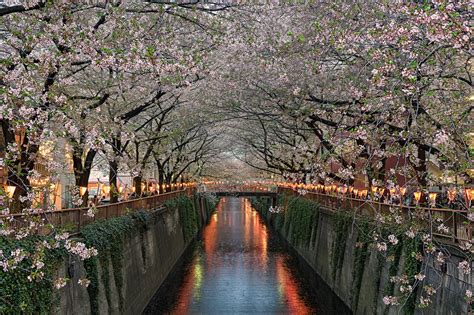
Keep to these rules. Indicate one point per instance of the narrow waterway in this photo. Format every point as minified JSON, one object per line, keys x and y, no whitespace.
{"x":240,"y":266}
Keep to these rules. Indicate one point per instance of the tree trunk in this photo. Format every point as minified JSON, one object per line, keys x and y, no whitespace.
{"x":137,"y":183}
{"x":422,"y":168}
{"x":82,"y":171}
{"x":113,"y":171}
{"x":161,"y":180}
{"x":20,"y":167}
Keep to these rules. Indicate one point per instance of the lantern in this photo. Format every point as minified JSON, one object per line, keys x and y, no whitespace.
{"x":374,"y":190}
{"x":417,"y":196}
{"x":432,"y":197}
{"x":106,"y":189}
{"x":469,"y":195}
{"x":392,"y":191}
{"x":451,"y":194}
{"x":9,"y":190}
{"x":120,"y":189}
{"x":403,"y":191}
{"x":82,"y":190}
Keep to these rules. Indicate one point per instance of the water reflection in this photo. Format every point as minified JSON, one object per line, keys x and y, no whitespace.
{"x":241,"y":267}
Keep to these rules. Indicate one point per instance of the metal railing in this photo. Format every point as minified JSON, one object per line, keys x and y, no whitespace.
{"x":74,"y":219}
{"x":460,"y":229}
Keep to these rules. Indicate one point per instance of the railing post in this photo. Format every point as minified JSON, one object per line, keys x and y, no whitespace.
{"x":455,"y":227}
{"x":79,"y":220}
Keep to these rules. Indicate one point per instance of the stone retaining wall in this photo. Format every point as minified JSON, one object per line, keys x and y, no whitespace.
{"x":147,"y":260}
{"x":368,"y":297}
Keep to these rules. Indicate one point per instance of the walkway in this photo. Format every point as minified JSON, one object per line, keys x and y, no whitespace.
{"x":242,"y":267}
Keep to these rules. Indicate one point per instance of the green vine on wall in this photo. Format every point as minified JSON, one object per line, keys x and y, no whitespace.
{"x":187,"y":214}
{"x":18,"y":295}
{"x":412,"y":266}
{"x":360,"y":258}
{"x":298,"y":223}
{"x":107,"y":237}
{"x":342,"y":222}
{"x":299,"y":220}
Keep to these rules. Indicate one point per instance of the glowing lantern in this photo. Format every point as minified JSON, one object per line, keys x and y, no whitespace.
{"x":106,"y":189}
{"x":432,"y":197}
{"x":469,"y":195}
{"x":374,"y":190}
{"x":417,"y":195}
{"x":403,"y":191}
{"x":82,"y":190}
{"x":451,"y":194}
{"x":9,"y":190}
{"x":343,"y":190}
{"x":120,"y":189}
{"x":134,"y":189}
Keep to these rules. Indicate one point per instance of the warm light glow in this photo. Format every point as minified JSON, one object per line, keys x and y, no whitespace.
{"x":9,"y":190}
{"x":432,"y":197}
{"x":106,"y":189}
{"x":82,"y":190}
{"x":417,"y":195}
{"x":120,"y":189}
{"x":134,"y":189}
{"x":469,"y":193}
{"x":403,"y":191}
{"x":374,"y":190}
{"x":451,"y":194}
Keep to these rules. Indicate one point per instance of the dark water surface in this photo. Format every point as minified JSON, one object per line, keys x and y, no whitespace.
{"x":241,"y":266}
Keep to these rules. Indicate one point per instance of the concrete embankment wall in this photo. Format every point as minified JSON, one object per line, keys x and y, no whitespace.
{"x":358,"y":273}
{"x":147,"y":258}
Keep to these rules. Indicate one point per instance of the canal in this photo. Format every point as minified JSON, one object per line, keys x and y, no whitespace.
{"x":241,"y":266}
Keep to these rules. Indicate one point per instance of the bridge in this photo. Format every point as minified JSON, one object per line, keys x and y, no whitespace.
{"x":225,"y":189}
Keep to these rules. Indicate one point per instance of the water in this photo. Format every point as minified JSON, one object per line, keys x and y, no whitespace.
{"x":241,"y":266}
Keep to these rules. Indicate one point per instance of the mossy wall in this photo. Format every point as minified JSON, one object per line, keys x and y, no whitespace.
{"x":136,"y":253}
{"x":339,"y":248}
